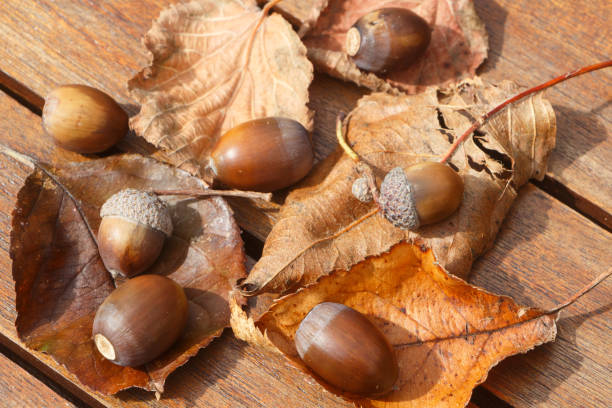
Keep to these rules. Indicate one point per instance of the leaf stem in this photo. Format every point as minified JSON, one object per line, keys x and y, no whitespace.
{"x":269,"y":5}
{"x":35,"y":164}
{"x":342,"y":140}
{"x":363,"y":168}
{"x":483,"y":119}
{"x":211,"y":192}
{"x":581,"y":292}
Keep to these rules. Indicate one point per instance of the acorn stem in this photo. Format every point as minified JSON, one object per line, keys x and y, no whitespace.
{"x":211,"y":192}
{"x":483,"y":119}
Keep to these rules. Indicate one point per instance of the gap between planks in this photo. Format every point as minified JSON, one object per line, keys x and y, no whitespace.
{"x":34,"y":102}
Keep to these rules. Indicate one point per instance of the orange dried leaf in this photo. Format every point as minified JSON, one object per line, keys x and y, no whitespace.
{"x":458,"y":44}
{"x":446,"y":334}
{"x":322,"y":227}
{"x":60,"y":279}
{"x":216,"y":64}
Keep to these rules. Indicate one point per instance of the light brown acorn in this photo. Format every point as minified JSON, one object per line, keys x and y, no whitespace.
{"x":83,"y":119}
{"x":262,"y":155}
{"x":132,"y":232}
{"x":140,"y":320}
{"x":387,"y":39}
{"x":345,"y":349}
{"x":422,"y":194}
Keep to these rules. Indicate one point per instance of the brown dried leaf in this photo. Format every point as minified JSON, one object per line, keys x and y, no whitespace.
{"x":216,"y":64}
{"x":303,"y":14}
{"x":322,"y":227}
{"x":447,"y":335}
{"x":458,"y":44}
{"x":243,"y":325}
{"x":60,"y":279}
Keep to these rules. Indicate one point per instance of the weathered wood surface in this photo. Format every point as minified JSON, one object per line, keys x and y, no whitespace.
{"x":544,"y":253}
{"x":533,"y":41}
{"x":21,"y":389}
{"x":545,"y":250}
{"x":47,"y":43}
{"x":539,"y":260}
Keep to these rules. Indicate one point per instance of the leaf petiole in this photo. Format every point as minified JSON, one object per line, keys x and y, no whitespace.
{"x":483,"y":119}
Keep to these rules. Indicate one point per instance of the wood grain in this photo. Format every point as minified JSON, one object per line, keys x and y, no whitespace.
{"x":55,"y":42}
{"x":545,"y":253}
{"x":21,"y":390}
{"x":539,"y":259}
{"x":533,"y":41}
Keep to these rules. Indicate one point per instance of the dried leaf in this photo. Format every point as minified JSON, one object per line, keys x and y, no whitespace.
{"x":303,"y":14}
{"x":216,"y":64}
{"x":458,"y":44}
{"x":243,"y":326}
{"x":60,"y":279}
{"x":322,"y":227}
{"x":446,"y":334}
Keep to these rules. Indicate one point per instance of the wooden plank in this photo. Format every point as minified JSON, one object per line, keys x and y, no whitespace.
{"x":533,"y":41}
{"x":29,"y":52}
{"x":539,"y":259}
{"x":53,"y":42}
{"x":544,"y":253}
{"x":20,"y":389}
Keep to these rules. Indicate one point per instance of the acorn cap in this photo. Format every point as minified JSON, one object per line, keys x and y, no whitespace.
{"x":397,"y":200}
{"x":361,"y":190}
{"x":140,"y":207}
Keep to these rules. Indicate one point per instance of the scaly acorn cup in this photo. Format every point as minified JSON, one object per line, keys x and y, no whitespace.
{"x":387,"y":39}
{"x":422,"y":194}
{"x":262,"y":155}
{"x":134,"y":227}
{"x":345,"y":349}
{"x":83,"y":119}
{"x":140,"y":320}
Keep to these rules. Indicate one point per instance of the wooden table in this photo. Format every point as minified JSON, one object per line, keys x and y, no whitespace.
{"x":556,"y":238}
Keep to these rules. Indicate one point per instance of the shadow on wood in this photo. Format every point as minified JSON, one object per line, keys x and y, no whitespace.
{"x":494,"y":17}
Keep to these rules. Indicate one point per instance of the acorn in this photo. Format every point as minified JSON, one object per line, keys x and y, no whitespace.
{"x":83,"y":119}
{"x":422,"y":194}
{"x":140,"y":320}
{"x":262,"y":155}
{"x":132,"y":232}
{"x":387,"y":39}
{"x":345,"y":349}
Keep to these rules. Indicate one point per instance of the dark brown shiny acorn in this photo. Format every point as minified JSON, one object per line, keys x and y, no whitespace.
{"x":263,"y":155}
{"x":83,"y":119}
{"x":387,"y":39}
{"x":345,"y":349}
{"x":132,"y":232}
{"x":140,"y":320}
{"x":422,"y":194}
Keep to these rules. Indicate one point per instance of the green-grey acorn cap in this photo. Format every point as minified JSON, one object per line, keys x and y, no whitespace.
{"x":140,"y":207}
